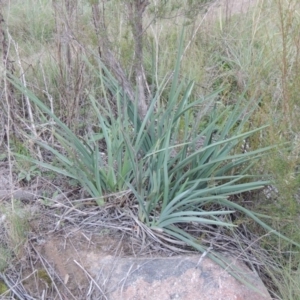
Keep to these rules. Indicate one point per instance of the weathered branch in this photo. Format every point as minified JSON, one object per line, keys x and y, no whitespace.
{"x":8,"y":69}
{"x":107,"y":55}
{"x":136,"y":10}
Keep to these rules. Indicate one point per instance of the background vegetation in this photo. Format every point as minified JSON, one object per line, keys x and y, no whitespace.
{"x":63,"y":94}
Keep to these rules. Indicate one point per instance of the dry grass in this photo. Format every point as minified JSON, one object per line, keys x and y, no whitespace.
{"x":59,"y":223}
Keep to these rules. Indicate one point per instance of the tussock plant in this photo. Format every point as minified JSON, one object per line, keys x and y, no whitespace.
{"x":176,"y":173}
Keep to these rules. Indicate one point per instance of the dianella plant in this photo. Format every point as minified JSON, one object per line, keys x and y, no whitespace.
{"x":180,"y":161}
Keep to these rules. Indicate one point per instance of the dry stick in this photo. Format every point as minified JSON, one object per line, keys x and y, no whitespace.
{"x":243,"y":251}
{"x":15,"y":288}
{"x":156,"y":36}
{"x":8,"y":68}
{"x":193,"y":36}
{"x":127,"y":275}
{"x":45,"y":268}
{"x":196,"y":30}
{"x":136,"y":11}
{"x":110,"y":273}
{"x":65,"y":43}
{"x":284,"y":32}
{"x":158,"y":236}
{"x":130,"y":272}
{"x":29,"y":110}
{"x":256,"y":22}
{"x":91,"y":278}
{"x":106,"y":54}
{"x":61,"y":16}
{"x":50,"y":98}
{"x":74,"y":77}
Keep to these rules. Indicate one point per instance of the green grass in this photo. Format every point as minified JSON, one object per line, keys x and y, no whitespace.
{"x":14,"y":235}
{"x":35,"y":27}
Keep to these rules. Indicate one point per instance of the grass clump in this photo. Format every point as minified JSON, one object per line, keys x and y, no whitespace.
{"x":16,"y":228}
{"x":174,"y":173}
{"x":31,"y":21}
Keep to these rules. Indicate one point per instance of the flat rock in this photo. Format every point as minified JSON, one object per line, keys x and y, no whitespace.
{"x":179,"y":277}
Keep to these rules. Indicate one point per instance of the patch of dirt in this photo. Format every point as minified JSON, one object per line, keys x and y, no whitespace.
{"x":64,"y":261}
{"x":61,"y":253}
